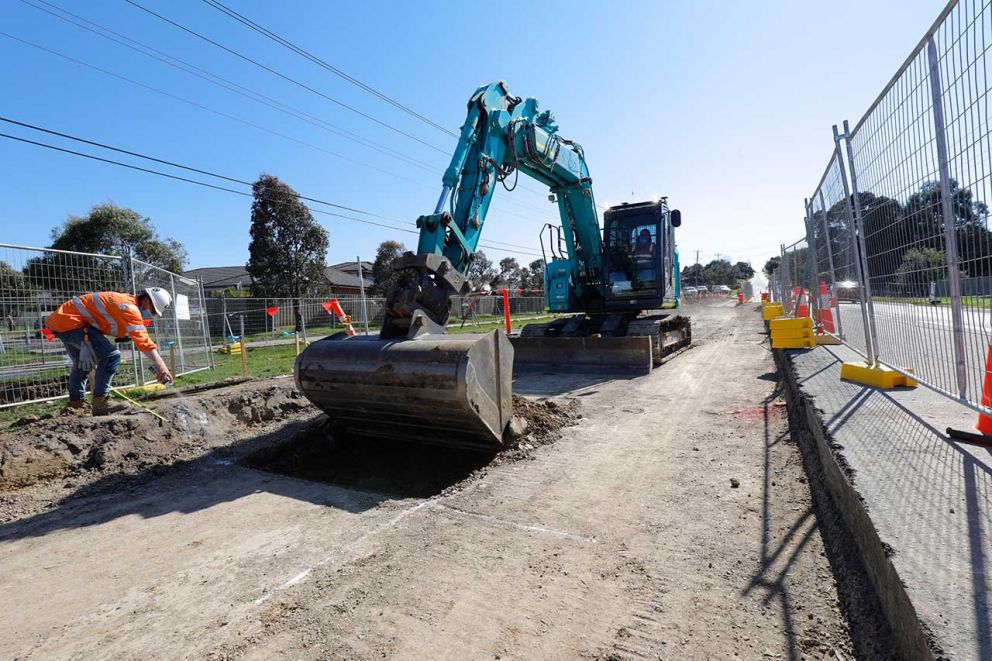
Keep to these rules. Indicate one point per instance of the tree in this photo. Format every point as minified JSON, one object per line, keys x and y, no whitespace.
{"x":480,"y":270}
{"x":536,"y":274}
{"x":742,"y":271}
{"x":113,"y":230}
{"x":920,"y":267}
{"x":383,"y":276}
{"x":288,"y":249}
{"x":771,"y":265}
{"x":15,"y":290}
{"x":107,"y":230}
{"x":718,"y":272}
{"x":509,"y":273}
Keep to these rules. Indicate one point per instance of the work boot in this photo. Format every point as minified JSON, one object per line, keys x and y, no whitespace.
{"x":103,"y":406}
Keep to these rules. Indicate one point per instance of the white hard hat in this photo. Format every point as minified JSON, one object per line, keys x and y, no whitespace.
{"x":160,"y":299}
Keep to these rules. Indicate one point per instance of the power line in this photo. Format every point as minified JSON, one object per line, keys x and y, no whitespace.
{"x":159,"y":173}
{"x":329,"y":67}
{"x":247,"y":93}
{"x":214,"y":111}
{"x":284,"y":76}
{"x":225,"y":83}
{"x":241,"y":18}
{"x":226,"y":115}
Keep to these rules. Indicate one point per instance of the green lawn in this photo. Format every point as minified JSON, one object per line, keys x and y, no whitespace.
{"x":263,"y":362}
{"x":978,"y":302}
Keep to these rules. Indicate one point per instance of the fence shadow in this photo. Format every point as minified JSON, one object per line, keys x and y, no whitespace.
{"x":930,"y":497}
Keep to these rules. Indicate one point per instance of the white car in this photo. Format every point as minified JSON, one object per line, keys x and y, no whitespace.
{"x":722,"y":289}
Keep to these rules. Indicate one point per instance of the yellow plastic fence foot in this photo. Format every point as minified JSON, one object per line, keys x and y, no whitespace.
{"x":772,"y":311}
{"x":880,"y":377}
{"x":824,"y":339}
{"x":790,"y":333}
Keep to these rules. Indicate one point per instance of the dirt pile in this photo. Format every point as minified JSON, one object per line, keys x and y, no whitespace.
{"x":544,"y":419}
{"x":50,"y":447}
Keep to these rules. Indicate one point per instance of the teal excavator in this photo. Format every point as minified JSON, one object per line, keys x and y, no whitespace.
{"x":617,"y":289}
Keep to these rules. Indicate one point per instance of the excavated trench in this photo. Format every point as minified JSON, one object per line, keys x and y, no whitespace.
{"x":265,"y":425}
{"x":405,"y":469}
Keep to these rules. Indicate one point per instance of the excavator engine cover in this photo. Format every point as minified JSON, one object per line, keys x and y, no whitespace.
{"x":453,"y":390}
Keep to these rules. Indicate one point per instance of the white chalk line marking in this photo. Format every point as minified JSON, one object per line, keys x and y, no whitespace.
{"x":344,"y":549}
{"x":519,"y":526}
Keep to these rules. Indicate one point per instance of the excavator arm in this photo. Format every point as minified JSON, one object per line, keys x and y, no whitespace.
{"x":502,"y":136}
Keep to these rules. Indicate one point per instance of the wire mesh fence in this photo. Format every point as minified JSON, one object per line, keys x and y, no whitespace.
{"x":898,"y":225}
{"x":275,"y":320}
{"x":34,"y":282}
{"x":838,"y":297}
{"x":181,"y":333}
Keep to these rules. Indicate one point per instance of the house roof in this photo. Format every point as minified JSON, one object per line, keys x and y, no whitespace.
{"x":223,"y":277}
{"x":352,"y":267}
{"x":339,"y":278}
{"x":220,"y":277}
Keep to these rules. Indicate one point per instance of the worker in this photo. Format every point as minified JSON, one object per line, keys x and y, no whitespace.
{"x":81,"y":324}
{"x":644,"y":258}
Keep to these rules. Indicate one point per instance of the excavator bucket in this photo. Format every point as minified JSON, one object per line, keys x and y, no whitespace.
{"x":453,"y":390}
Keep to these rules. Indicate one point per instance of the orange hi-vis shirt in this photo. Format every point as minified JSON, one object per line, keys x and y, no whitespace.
{"x":112,"y":312}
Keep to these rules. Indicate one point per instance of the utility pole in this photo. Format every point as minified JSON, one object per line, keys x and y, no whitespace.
{"x":699,"y":276}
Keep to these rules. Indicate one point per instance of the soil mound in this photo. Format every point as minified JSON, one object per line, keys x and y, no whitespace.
{"x":38,"y":449}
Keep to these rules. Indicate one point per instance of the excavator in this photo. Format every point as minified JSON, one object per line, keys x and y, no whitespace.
{"x":616,"y":289}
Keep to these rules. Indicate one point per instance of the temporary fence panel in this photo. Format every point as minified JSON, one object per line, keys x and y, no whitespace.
{"x":920,"y":177}
{"x":33,"y":283}
{"x":841,"y":310}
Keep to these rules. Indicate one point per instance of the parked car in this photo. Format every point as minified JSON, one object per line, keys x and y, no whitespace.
{"x":689,"y":292}
{"x":847,"y":290}
{"x":721,"y":289}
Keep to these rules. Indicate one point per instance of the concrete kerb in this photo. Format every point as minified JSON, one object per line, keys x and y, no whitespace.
{"x":910,"y":635}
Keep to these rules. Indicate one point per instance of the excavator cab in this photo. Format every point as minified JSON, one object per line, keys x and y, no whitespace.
{"x":639,"y":245}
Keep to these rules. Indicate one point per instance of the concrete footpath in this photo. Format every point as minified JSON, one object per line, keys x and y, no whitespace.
{"x":927,"y":536}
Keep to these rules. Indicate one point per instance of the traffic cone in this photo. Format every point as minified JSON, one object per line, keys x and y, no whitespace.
{"x":803,"y":310}
{"x":338,"y":312}
{"x":985,"y":422}
{"x":826,"y":315}
{"x":740,"y":298}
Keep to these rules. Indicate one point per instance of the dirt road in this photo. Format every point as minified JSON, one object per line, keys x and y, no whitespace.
{"x":673,"y":520}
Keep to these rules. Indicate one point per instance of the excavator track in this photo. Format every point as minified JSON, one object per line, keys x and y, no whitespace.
{"x":668,"y":333}
{"x":647,"y":343}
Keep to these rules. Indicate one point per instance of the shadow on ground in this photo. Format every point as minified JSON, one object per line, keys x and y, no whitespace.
{"x":870,"y":634}
{"x":296,"y":461}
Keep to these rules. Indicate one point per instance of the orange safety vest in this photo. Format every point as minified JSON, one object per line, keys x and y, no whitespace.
{"x":644,"y":255}
{"x":111,"y":312}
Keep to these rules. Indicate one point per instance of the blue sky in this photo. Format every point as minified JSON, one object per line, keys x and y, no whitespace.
{"x":726,"y":107}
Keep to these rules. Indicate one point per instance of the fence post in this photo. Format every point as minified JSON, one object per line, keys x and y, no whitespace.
{"x":244,"y":349}
{"x":506,"y":309}
{"x":947,"y":213}
{"x":858,"y":245}
{"x":136,"y":363}
{"x":205,"y":320}
{"x":786,"y":284}
{"x":175,"y":320}
{"x":361,"y":286}
{"x":812,"y":296}
{"x":830,"y":261}
{"x":303,"y":322}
